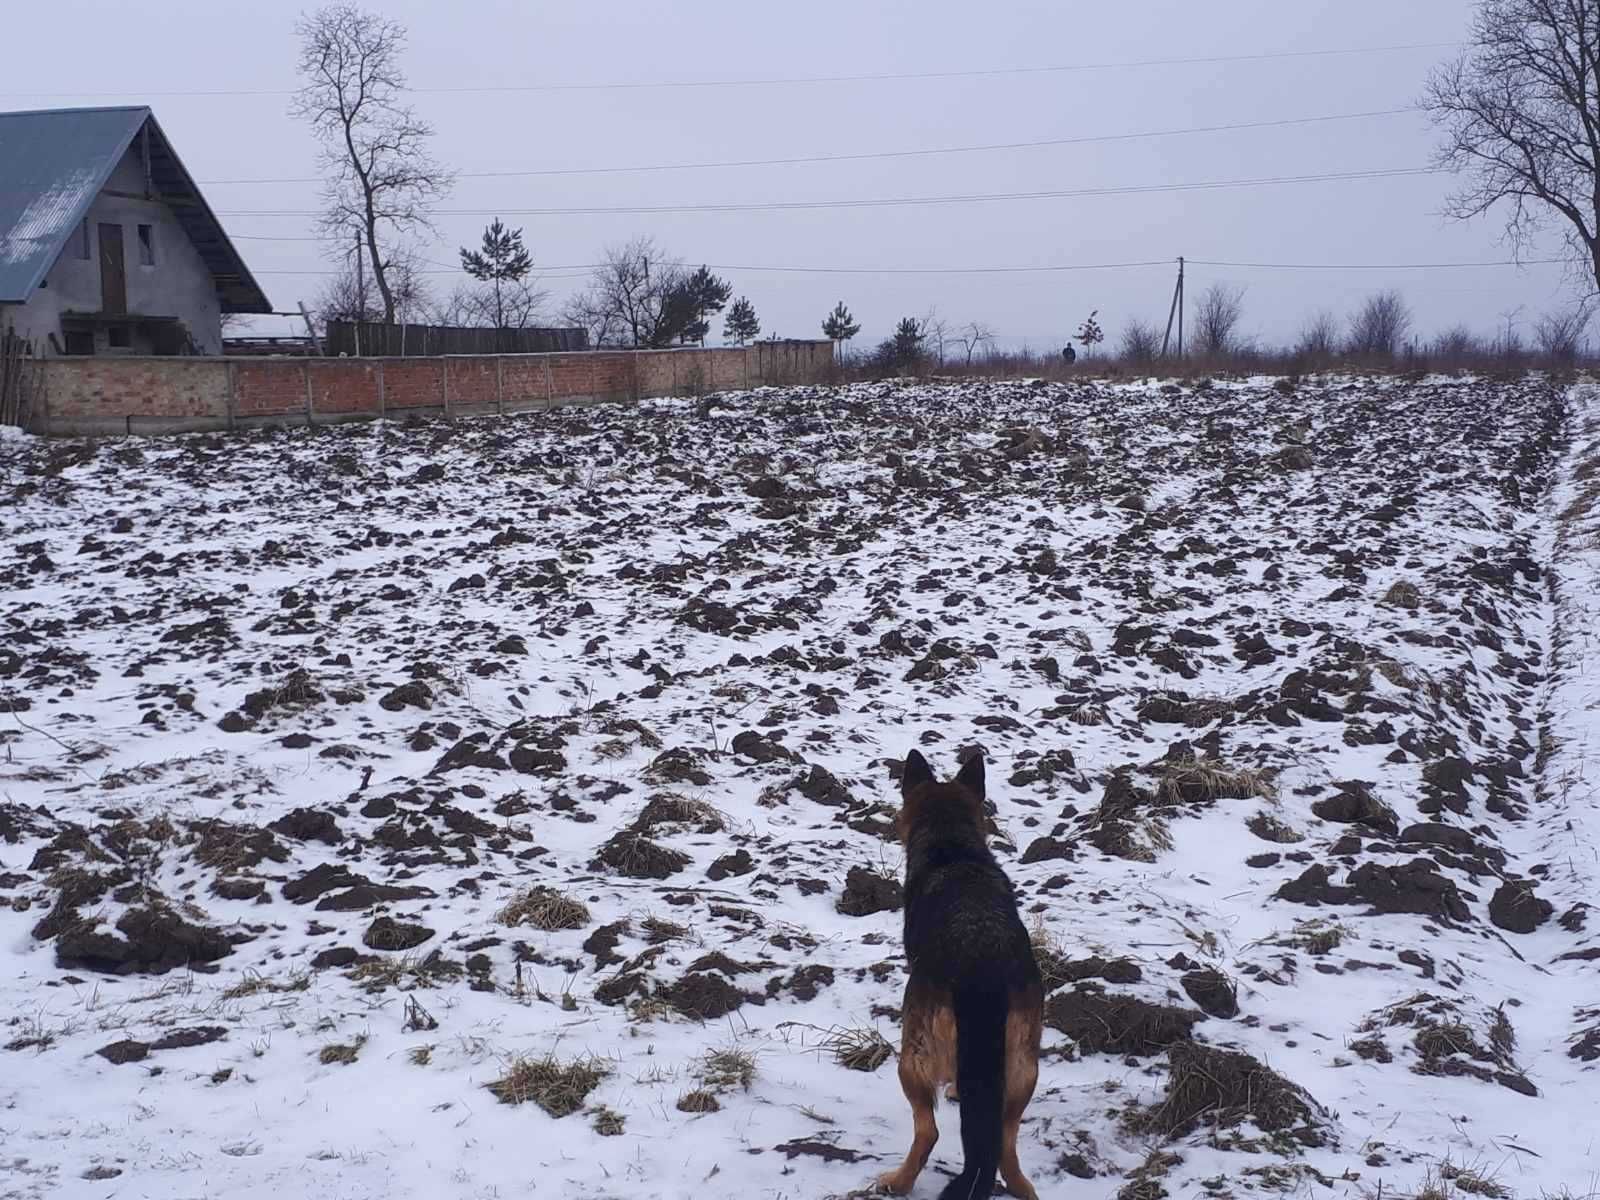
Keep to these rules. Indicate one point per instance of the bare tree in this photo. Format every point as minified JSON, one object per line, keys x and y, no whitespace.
{"x":1456,"y":344}
{"x":381,"y":181}
{"x":347,"y":295}
{"x":1379,"y":326}
{"x":1140,"y":342}
{"x":1319,"y":336}
{"x":973,"y":337}
{"x":350,"y":295}
{"x":639,"y":296}
{"x":1216,"y":320}
{"x":1520,"y":119}
{"x":935,"y":335}
{"x":1560,"y":334}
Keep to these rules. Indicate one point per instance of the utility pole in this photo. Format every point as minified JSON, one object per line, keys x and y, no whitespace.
{"x":1175,"y":311}
{"x":361,"y":298}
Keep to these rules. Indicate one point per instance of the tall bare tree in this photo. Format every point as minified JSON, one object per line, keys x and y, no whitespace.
{"x":1216,"y":320}
{"x":381,"y":181}
{"x":1520,"y":114}
{"x":1380,"y":325}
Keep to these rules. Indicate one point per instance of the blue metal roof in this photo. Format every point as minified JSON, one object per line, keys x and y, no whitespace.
{"x":53,"y":164}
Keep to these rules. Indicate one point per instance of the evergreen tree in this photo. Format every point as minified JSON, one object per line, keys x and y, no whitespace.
{"x":503,"y":262}
{"x":907,"y":342}
{"x":742,"y":325}
{"x":691,"y":304}
{"x":840,"y":326}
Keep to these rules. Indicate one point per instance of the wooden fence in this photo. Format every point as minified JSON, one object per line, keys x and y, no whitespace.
{"x":371,"y":339}
{"x":19,"y":380}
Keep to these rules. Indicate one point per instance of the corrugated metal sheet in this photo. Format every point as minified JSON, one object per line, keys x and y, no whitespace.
{"x":52,"y":164}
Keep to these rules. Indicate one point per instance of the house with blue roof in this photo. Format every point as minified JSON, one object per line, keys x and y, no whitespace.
{"x":107,"y":246}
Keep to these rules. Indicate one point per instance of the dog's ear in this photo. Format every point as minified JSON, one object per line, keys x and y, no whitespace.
{"x":916,"y":774}
{"x":971,"y":775}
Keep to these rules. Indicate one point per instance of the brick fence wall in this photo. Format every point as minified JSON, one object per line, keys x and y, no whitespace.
{"x":102,"y":396}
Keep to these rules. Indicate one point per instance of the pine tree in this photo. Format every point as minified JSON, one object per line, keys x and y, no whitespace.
{"x":502,"y":261}
{"x":742,"y":324}
{"x":691,"y":305}
{"x":907,"y":342}
{"x":840,"y":326}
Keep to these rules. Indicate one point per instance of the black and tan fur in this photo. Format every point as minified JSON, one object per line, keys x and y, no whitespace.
{"x":973,"y":1003}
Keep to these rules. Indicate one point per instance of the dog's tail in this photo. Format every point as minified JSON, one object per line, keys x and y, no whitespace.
{"x":981,"y":1008}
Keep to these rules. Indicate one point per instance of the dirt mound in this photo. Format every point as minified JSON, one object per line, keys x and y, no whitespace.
{"x":1102,"y":1023}
{"x":1223,"y":1088}
{"x":867,"y":892}
{"x":154,"y":941}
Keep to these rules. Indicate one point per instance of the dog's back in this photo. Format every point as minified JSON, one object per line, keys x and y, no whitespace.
{"x":973,"y":1002}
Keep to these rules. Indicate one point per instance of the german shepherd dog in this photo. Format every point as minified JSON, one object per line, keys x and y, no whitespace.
{"x":974,"y":1001}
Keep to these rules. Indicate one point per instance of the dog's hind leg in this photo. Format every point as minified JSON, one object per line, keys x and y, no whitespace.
{"x":920,"y":1092}
{"x":1022,"y":1074}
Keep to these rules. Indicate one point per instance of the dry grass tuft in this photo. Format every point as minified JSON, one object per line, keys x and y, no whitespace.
{"x":559,"y":1088}
{"x":255,"y":983}
{"x":1269,"y":829}
{"x":420,"y":1056}
{"x":729,"y":1067}
{"x":1315,"y":937}
{"x":699,"y":1101}
{"x":545,"y":909}
{"x":857,"y":1047}
{"x":1189,"y":780}
{"x":657,"y":930}
{"x":608,"y":1122}
{"x":343,"y":1053}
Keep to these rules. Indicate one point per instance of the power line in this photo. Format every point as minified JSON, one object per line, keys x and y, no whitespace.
{"x":1052,"y":267}
{"x":796,"y":80}
{"x":877,"y":154}
{"x":1413,"y":266}
{"x":891,"y":201}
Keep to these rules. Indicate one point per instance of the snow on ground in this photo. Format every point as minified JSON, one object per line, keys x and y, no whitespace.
{"x":359,"y":780}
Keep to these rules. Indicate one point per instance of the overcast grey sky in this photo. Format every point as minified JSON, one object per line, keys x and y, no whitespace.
{"x":95,"y":52}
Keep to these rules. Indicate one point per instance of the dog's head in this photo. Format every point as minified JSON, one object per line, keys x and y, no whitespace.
{"x":923,"y":799}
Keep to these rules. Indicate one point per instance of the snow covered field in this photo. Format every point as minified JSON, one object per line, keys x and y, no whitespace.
{"x":505,"y":808}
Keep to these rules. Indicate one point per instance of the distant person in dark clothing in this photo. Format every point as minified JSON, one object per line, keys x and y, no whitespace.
{"x":1069,"y":356}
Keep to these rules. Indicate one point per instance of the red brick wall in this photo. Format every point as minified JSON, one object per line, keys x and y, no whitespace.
{"x":473,"y":381}
{"x":95,"y":395}
{"x":412,"y":383}
{"x":522,"y":379}
{"x":268,"y":387}
{"x":342,"y":386}
{"x":91,"y":389}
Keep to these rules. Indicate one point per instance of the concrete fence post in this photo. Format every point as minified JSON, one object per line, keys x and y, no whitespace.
{"x":230,"y":398}
{"x":499,"y":385}
{"x":377,"y":366}
{"x":305,"y":369}
{"x":444,"y":381}
{"x":549,"y":385}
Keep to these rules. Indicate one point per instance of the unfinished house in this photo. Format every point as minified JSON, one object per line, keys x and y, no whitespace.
{"x":106,"y":245}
